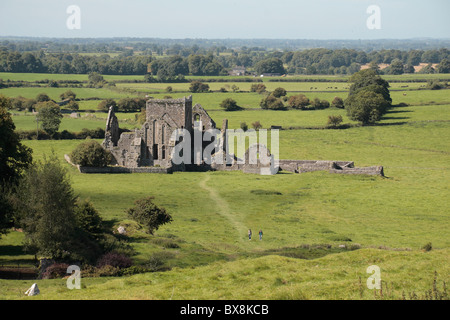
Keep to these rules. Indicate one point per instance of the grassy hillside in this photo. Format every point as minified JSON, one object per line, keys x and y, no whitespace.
{"x":305,"y":217}
{"x":339,"y":276}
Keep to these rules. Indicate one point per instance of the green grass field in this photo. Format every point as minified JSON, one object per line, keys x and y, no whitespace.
{"x":305,"y":217}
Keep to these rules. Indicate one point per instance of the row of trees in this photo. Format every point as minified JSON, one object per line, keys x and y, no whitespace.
{"x":211,"y":63}
{"x":40,"y":62}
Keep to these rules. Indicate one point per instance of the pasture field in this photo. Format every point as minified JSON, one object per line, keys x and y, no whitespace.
{"x":84,"y":77}
{"x":305,"y":217}
{"x":53,"y":93}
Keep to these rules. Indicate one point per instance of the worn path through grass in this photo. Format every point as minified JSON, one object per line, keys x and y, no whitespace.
{"x":223,"y":208}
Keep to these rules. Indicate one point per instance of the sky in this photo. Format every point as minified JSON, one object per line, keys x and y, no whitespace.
{"x":227,"y":19}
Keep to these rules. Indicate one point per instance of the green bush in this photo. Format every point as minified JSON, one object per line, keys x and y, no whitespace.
{"x":91,"y":154}
{"x":148,"y":214}
{"x":229,"y":105}
{"x":334,"y":121}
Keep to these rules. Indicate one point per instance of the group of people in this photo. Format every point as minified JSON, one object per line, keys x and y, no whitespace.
{"x":260,"y":233}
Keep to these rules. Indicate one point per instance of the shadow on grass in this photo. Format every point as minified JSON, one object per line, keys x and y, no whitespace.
{"x":307,"y":252}
{"x":394,"y":118}
{"x":10,"y":250}
{"x":401,"y":123}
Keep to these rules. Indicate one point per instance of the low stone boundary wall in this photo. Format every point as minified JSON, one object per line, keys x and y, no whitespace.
{"x":376,"y":170}
{"x":117,"y":169}
{"x":296,"y":166}
{"x":344,"y":167}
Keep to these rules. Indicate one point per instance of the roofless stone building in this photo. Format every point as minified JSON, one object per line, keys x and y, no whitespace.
{"x":152,"y":147}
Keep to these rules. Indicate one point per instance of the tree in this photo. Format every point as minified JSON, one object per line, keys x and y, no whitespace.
{"x":129,"y":105}
{"x":14,"y":159}
{"x":45,"y":209}
{"x":42,"y":97}
{"x":229,"y":105}
{"x":396,"y":67}
{"x":14,"y":156}
{"x":366,"y":106}
{"x":45,"y":206}
{"x":299,"y":101}
{"x":270,"y":65}
{"x":368,"y":78}
{"x":279,"y":92}
{"x":96,"y":79}
{"x":91,"y":154}
{"x":105,"y":104}
{"x":444,"y":66}
{"x":318,"y":104}
{"x":69,"y":94}
{"x":258,"y":87}
{"x":148,"y":214}
{"x":256,"y":125}
{"x":273,"y":103}
{"x":88,"y":218}
{"x":197,"y":86}
{"x":49,"y":115}
{"x":409,"y":68}
{"x":72,"y":105}
{"x":334,"y":121}
{"x":428,"y":69}
{"x":337,"y":102}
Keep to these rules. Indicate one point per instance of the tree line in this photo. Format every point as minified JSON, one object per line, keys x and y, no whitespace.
{"x":201,"y":62}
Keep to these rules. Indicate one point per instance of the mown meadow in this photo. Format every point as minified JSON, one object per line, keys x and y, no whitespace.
{"x":321,"y":230}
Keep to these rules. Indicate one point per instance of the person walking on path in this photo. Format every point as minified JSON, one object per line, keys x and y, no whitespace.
{"x":260,"y":234}
{"x":249,"y":234}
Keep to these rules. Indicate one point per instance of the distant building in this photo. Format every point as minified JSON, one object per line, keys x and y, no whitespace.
{"x":271,"y":75}
{"x":238,"y":71}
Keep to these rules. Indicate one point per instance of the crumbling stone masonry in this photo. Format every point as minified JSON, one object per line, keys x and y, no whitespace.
{"x":150,"y":148}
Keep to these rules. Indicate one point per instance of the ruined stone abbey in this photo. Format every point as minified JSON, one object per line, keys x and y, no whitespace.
{"x":152,"y":147}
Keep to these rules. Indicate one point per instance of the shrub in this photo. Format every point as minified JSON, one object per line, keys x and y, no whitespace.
{"x":229,"y":105}
{"x":165,"y":243}
{"x":299,"y":101}
{"x":157,"y":261}
{"x":72,"y":105}
{"x":42,"y":97}
{"x":258,"y":87}
{"x":105,"y":104}
{"x":334,"y":121}
{"x":256,"y":125}
{"x":197,"y":86}
{"x":55,"y":271}
{"x":131,"y":105}
{"x":337,"y":103}
{"x":114,"y":259}
{"x":272,"y":102}
{"x":148,"y":214}
{"x":279,"y":92}
{"x":111,"y":243}
{"x":320,"y":104}
{"x":107,"y":271}
{"x":435,"y":85}
{"x":88,"y":218}
{"x":90,"y":153}
{"x":69,"y":94}
{"x":244,"y":126}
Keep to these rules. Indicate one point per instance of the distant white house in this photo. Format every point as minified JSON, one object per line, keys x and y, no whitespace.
{"x":238,"y":71}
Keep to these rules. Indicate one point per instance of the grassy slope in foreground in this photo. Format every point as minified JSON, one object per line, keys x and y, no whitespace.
{"x":338,"y":276}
